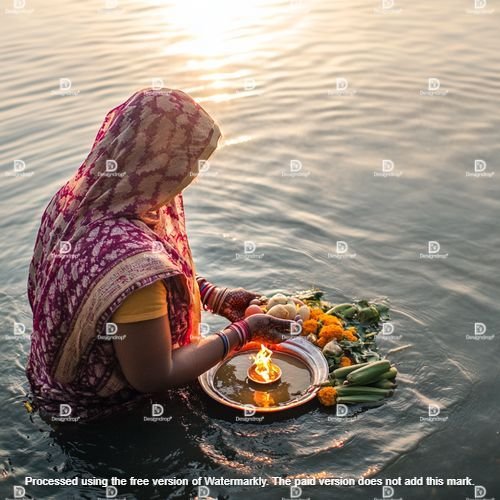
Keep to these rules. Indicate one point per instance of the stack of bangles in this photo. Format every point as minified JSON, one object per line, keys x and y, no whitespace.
{"x":242,"y":330}
{"x":212,"y":297}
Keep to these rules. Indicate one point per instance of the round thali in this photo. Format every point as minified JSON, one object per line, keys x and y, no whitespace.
{"x":303,"y":367}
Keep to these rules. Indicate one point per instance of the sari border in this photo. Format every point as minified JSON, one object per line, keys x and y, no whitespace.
{"x":136,"y":269}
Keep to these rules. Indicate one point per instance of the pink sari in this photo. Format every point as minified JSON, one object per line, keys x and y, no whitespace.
{"x":117,"y":225}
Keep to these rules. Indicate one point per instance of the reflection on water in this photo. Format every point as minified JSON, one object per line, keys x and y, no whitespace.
{"x":269,"y":76}
{"x":231,"y":381}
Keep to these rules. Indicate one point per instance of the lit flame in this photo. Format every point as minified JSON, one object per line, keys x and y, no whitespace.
{"x":264,"y":367}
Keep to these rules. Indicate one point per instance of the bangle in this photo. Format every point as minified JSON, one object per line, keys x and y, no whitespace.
{"x":225,"y":342}
{"x":242,"y":330}
{"x":219,"y":299}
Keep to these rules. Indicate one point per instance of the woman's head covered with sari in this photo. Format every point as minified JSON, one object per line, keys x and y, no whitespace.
{"x":115,"y":226}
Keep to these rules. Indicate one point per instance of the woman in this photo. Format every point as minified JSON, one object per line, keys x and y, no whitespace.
{"x":112,"y":285}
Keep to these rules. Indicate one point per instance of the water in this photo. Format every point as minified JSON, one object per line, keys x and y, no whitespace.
{"x":269,"y":76}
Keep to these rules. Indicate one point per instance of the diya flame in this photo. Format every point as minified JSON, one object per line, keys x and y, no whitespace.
{"x":263,"y":366}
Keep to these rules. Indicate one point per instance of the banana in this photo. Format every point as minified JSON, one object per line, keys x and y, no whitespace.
{"x":359,"y":398}
{"x":354,"y":390}
{"x":345,"y":370}
{"x":383,"y":384}
{"x":369,"y":373}
{"x":389,"y":374}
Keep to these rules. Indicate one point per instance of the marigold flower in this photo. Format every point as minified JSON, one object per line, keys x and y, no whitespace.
{"x":327,"y":396}
{"x":315,"y":312}
{"x":331,"y":332}
{"x":345,"y":361}
{"x":322,"y":341}
{"x":328,"y":319}
{"x":349,"y":335}
{"x":310,"y":326}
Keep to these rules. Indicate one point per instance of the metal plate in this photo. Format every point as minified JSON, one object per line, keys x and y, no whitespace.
{"x":299,"y":348}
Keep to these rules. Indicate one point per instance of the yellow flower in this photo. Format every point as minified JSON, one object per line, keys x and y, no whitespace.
{"x":345,"y":361}
{"x":310,"y":326}
{"x":327,"y":396}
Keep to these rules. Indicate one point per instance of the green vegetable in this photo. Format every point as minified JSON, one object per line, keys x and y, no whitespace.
{"x":383,"y":384}
{"x":369,"y":373}
{"x":345,"y":370}
{"x":354,"y":390}
{"x":368,"y":315}
{"x":359,"y":398}
{"x":389,"y":374}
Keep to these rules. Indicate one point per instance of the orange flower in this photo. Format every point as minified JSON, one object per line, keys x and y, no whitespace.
{"x":349,"y":335}
{"x":315,"y":312}
{"x":328,"y":319}
{"x":345,"y":361}
{"x":310,"y":326}
{"x":327,"y":396}
{"x":331,"y":332}
{"x":322,"y":341}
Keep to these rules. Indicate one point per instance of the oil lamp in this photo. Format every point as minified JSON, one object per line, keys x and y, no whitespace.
{"x":263,"y":370}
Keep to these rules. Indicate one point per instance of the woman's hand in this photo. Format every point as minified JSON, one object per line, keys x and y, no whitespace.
{"x":265,"y":328}
{"x":235,"y":303}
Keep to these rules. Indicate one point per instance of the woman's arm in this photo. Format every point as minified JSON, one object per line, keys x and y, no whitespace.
{"x":150,"y":365}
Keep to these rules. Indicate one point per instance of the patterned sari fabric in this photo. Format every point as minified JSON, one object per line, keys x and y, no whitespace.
{"x":117,"y":225}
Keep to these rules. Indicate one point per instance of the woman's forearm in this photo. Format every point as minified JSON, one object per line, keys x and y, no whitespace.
{"x":151,"y":364}
{"x":190,"y":361}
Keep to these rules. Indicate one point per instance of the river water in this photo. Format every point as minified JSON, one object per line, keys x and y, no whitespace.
{"x":315,"y":101}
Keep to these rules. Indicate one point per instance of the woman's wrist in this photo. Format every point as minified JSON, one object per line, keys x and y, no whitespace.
{"x":211,"y":296}
{"x":242,"y":330}
{"x":234,"y":337}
